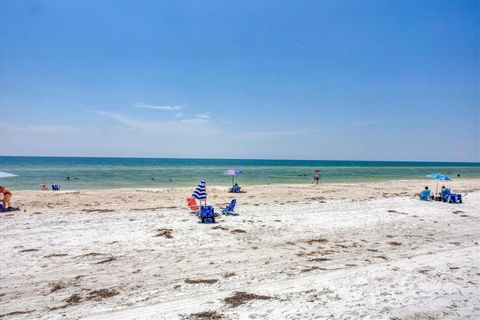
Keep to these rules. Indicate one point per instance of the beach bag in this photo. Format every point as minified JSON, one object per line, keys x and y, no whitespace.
{"x":207,"y":214}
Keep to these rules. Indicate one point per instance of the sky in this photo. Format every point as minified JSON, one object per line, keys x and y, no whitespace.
{"x":334,"y":80}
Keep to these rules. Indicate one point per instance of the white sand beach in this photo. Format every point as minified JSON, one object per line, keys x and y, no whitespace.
{"x":336,"y":251}
{"x":331,"y":116}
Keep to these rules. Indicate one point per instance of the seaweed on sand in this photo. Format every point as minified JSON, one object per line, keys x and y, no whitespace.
{"x":240,"y":297}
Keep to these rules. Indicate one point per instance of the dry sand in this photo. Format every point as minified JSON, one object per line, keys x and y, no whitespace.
{"x":336,"y":251}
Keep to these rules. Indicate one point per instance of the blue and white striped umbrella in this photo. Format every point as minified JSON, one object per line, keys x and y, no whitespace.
{"x":200,"y":192}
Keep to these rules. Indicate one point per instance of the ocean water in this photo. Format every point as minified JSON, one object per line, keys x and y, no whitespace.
{"x":98,"y":173}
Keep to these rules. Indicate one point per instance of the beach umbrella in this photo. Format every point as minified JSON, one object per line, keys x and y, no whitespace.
{"x":439,"y":177}
{"x":200,"y":192}
{"x":233,"y":173}
{"x":7,"y":175}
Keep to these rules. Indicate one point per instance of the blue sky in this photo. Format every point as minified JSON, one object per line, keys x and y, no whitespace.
{"x":366,"y":80}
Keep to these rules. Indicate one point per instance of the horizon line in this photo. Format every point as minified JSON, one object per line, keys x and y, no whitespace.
{"x":261,"y":159}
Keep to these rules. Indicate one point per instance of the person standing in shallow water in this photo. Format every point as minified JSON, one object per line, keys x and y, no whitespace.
{"x":316,"y":176}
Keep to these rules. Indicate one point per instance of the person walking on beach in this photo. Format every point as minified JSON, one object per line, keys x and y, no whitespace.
{"x":7,"y":195}
{"x":316,"y":177}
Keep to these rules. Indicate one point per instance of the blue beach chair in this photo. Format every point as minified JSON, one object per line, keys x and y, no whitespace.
{"x":455,"y":198}
{"x":55,"y":187}
{"x":207,"y":214}
{"x":448,"y":196}
{"x":445,"y":194}
{"x":230,"y":209}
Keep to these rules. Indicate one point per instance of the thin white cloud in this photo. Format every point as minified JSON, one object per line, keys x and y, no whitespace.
{"x":198,"y":119}
{"x":171,"y":108}
{"x":131,"y":123}
{"x":195,"y":124}
{"x":37,"y":128}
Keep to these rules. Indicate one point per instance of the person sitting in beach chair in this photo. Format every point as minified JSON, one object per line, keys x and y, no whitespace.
{"x":445,"y":193}
{"x":424,"y":195}
{"x":55,"y":187}
{"x":207,"y":214}
{"x":7,"y":195}
{"x":193,"y":205}
{"x":230,"y":209}
{"x":44,"y":187}
{"x":235,"y":188}
{"x":447,"y":196}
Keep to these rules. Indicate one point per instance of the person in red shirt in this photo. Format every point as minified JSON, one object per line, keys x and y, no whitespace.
{"x":7,"y":195}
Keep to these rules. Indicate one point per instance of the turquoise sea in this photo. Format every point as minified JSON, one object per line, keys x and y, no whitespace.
{"x":98,"y":173}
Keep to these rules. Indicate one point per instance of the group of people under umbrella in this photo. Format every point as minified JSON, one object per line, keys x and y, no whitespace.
{"x":445,"y":193}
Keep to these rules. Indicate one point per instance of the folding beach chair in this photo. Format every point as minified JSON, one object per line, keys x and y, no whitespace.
{"x":192,"y":204}
{"x":455,"y":198}
{"x":448,"y":196}
{"x":55,"y":187}
{"x":230,"y":209}
{"x":207,"y":214}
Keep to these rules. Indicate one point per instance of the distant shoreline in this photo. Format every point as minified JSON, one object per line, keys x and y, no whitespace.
{"x":225,"y":186}
{"x":247,"y":159}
